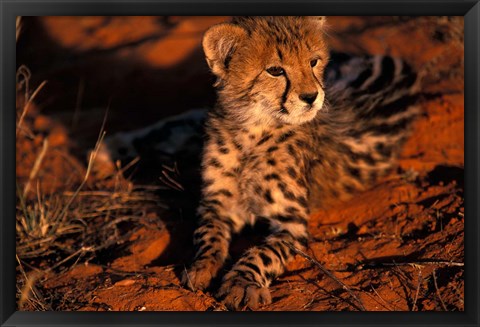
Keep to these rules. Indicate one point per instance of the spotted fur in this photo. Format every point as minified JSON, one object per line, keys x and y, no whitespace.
{"x":275,"y":149}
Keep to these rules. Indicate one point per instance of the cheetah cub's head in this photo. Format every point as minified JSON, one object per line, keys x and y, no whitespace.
{"x":269,"y":69}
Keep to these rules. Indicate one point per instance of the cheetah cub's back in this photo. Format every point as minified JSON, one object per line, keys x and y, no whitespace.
{"x":275,"y":148}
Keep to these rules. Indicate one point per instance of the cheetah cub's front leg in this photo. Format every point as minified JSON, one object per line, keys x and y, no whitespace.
{"x":218,"y":213}
{"x":246,"y":285}
{"x":277,"y":192}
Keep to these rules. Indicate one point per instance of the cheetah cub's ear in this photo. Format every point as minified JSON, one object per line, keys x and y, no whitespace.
{"x":320,"y":20}
{"x":219,"y":43}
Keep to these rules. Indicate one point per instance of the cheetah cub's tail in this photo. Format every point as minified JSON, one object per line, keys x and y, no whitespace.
{"x":374,"y":101}
{"x":381,"y":92}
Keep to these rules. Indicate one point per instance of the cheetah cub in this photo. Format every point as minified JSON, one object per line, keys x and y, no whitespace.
{"x":273,"y":150}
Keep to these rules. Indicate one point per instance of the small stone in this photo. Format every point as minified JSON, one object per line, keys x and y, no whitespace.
{"x":125,"y":282}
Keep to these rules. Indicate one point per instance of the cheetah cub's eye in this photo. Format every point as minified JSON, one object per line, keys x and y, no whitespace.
{"x":313,"y":62}
{"x":275,"y":71}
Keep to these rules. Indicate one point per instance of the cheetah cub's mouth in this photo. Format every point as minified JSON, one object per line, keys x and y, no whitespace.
{"x":296,"y":112}
{"x":270,"y":69}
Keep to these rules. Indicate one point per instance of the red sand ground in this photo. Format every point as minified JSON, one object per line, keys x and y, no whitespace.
{"x":398,"y":246}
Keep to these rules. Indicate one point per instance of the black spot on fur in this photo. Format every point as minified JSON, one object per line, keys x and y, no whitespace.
{"x":207,"y":182}
{"x":285,"y":136}
{"x":225,"y":192}
{"x":267,"y":261}
{"x":292,"y":172}
{"x":213,"y":239}
{"x":302,"y":201}
{"x":246,"y":274}
{"x":385,"y":151}
{"x":251,"y":266}
{"x":220,"y":142}
{"x":205,"y":249}
{"x":268,"y":196}
{"x":301,"y":144}
{"x":200,"y":235}
{"x":224,"y":150}
{"x":269,"y":177}
{"x":258,"y":189}
{"x":211,"y":202}
{"x":286,"y":193}
{"x":301,"y":182}
{"x":354,"y":172}
{"x":290,"y":219}
{"x":215,"y":163}
{"x":274,"y":251}
{"x":272,"y":149}
{"x":271,"y":162}
{"x":292,"y":152}
{"x":291,"y":210}
{"x":270,"y":276}
{"x":264,"y":139}
{"x":229,"y":174}
{"x":237,"y":145}
{"x":282,"y":250}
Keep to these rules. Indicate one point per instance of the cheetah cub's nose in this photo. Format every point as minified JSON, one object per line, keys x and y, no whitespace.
{"x":308,"y":97}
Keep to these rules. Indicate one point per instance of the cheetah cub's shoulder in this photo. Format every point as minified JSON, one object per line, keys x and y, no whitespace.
{"x":273,"y":150}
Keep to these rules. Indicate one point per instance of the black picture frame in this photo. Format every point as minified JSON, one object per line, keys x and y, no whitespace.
{"x":10,"y":9}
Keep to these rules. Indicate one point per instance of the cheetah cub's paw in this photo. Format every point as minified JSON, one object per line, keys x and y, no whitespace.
{"x":238,"y":293}
{"x":198,"y":276}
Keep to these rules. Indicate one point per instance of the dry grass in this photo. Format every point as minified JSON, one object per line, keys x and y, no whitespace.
{"x":70,"y":225}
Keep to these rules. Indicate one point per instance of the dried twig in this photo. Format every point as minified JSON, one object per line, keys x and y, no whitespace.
{"x":438,"y":291}
{"x":190,"y":285}
{"x":36,"y":166}
{"x":168,"y":180}
{"x":27,"y":105}
{"x":129,"y":165}
{"x":82,"y":250}
{"x":29,"y":288}
{"x":420,"y":263}
{"x":414,"y":306}
{"x":91,"y":161}
{"x":327,"y":272}
{"x":387,"y":305}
